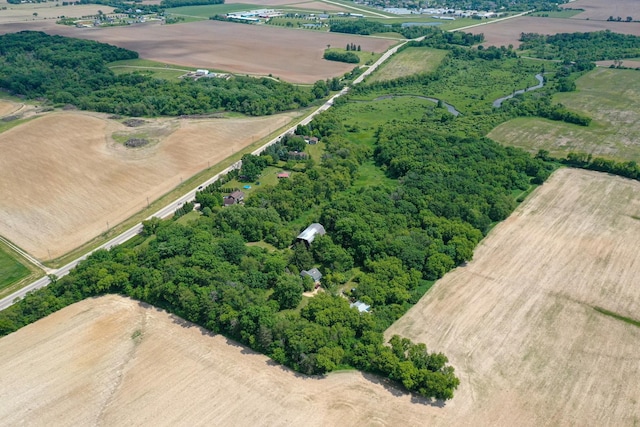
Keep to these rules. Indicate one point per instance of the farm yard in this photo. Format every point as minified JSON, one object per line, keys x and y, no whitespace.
{"x":238,"y":48}
{"x":519,"y":324}
{"x":508,"y":32}
{"x":610,"y":97}
{"x":64,"y":179}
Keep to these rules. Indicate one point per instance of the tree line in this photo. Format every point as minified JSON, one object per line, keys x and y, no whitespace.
{"x":71,"y":71}
{"x":593,"y":46}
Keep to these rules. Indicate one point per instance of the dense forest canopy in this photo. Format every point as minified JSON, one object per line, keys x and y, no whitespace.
{"x":594,"y":46}
{"x":71,"y":71}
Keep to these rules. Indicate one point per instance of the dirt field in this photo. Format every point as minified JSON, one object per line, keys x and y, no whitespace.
{"x":297,"y":4}
{"x":508,"y":31}
{"x":7,"y":107}
{"x":112,"y":362}
{"x":601,"y":10}
{"x":292,"y":55}
{"x":518,"y":324}
{"x":63,"y":178}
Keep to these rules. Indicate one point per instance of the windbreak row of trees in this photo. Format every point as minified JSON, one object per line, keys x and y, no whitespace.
{"x":593,"y":46}
{"x":70,"y":71}
{"x":367,"y":27}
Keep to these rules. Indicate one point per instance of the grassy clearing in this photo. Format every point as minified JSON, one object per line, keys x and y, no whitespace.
{"x":565,"y":13}
{"x":366,"y":58}
{"x":370,"y":175}
{"x":610,"y":97}
{"x":412,"y":60}
{"x":15,"y":272}
{"x":156,"y":69}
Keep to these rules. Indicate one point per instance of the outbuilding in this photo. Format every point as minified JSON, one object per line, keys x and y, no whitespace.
{"x":310,"y":233}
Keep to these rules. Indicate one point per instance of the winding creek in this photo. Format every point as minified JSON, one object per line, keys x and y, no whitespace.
{"x":498,"y":102}
{"x":449,"y":107}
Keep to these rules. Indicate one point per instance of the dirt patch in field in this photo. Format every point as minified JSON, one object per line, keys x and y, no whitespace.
{"x":63,"y":178}
{"x":599,"y":10}
{"x":518,"y":324}
{"x":508,"y":31}
{"x":293,"y":55}
{"x":112,"y":361}
{"x":7,"y":108}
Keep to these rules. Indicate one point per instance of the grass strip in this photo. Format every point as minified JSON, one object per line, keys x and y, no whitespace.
{"x":617,"y":316}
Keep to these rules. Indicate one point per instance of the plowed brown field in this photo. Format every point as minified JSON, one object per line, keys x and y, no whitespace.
{"x":292,"y":55}
{"x":518,"y":321}
{"x":62,"y":177}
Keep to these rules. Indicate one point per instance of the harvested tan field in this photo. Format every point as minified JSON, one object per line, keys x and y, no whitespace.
{"x":313,"y":5}
{"x":112,"y":361}
{"x":7,"y":107}
{"x":630,"y":63}
{"x":602,"y":10}
{"x":63,"y":178}
{"x":319,"y":5}
{"x":507,"y":32}
{"x":24,"y":12}
{"x":292,"y":55}
{"x":518,"y":322}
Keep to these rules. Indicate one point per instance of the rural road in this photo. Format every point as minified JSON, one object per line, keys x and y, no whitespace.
{"x":171,"y":207}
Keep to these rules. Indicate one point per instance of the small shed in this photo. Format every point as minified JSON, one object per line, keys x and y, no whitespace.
{"x":362,"y":307}
{"x":283,"y":175}
{"x":314,"y":273}
{"x":309,"y":233}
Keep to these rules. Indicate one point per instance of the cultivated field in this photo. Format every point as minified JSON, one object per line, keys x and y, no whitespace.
{"x":519,"y":324}
{"x":293,"y":55}
{"x":409,"y":61}
{"x":46,"y":11}
{"x":111,"y":361}
{"x":507,"y":32}
{"x":610,"y":97}
{"x":601,"y":10}
{"x":63,"y":178}
{"x":7,"y":107}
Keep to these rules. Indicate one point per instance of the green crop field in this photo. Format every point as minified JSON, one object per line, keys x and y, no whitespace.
{"x":206,"y":11}
{"x":409,"y":61}
{"x":11,"y":270}
{"x":610,"y":97}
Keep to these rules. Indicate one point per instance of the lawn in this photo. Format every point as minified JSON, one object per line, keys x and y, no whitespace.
{"x":156,"y":69}
{"x":412,"y":60}
{"x":366,"y":58}
{"x":207,"y":11}
{"x":610,"y":97}
{"x":11,"y":270}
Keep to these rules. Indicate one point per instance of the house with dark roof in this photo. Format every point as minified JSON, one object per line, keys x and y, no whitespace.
{"x":233,"y":199}
{"x":314,"y":273}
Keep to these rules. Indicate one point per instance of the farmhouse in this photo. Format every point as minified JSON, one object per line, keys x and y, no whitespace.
{"x":283,"y":175}
{"x":233,"y":198}
{"x":314,"y":273}
{"x":309,"y":233}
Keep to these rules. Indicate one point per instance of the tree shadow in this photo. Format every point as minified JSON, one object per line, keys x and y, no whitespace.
{"x":394,"y":388}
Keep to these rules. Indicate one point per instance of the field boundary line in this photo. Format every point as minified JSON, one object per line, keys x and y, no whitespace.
{"x":33,"y":260}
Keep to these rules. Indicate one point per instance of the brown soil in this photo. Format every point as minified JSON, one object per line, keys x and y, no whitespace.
{"x":7,"y":107}
{"x":518,"y":322}
{"x":508,"y":31}
{"x":112,"y":361}
{"x":293,"y":55}
{"x":599,"y":10}
{"x":63,"y":178}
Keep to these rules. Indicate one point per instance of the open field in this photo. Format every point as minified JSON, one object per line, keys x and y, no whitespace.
{"x":7,"y":107}
{"x":519,"y":324}
{"x":11,"y":270}
{"x":508,"y":32}
{"x":64,"y":180}
{"x":409,"y":61}
{"x":112,"y":361}
{"x":631,"y":63}
{"x":610,"y":97}
{"x":601,"y":10}
{"x":238,"y":48}
{"x":46,"y":11}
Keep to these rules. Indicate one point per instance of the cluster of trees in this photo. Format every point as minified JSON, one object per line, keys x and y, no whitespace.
{"x":71,"y":71}
{"x":352,"y":46}
{"x":334,"y":55}
{"x":179,"y":3}
{"x":629,"y":169}
{"x":594,"y":46}
{"x":543,"y":107}
{"x":435,"y":36}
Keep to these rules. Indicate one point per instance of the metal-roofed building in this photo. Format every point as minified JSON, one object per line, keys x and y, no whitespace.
{"x":310,"y":232}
